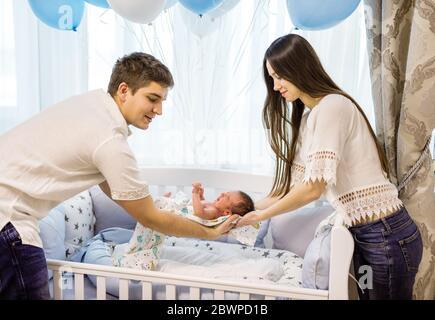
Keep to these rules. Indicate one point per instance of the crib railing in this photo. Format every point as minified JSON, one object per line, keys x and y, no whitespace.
{"x":216,"y":180}
{"x":342,"y":246}
{"x":171,"y":281}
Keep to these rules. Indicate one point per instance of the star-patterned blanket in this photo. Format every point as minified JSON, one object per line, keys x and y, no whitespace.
{"x":228,"y":261}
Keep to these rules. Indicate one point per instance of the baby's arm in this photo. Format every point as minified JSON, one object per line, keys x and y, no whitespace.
{"x":208,"y":212}
{"x":198,"y":208}
{"x":197,"y":188}
{"x":202,"y":209}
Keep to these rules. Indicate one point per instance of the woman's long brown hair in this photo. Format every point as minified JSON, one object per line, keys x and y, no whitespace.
{"x":294,"y":59}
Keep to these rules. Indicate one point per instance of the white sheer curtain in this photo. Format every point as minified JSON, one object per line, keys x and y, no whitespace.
{"x":213,"y":114}
{"x":63,"y":63}
{"x":8,"y":83}
{"x":19,"y":96}
{"x":212,"y":117}
{"x":39,"y":66}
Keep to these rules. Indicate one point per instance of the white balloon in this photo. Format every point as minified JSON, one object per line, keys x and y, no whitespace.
{"x":225,"y":6}
{"x":140,"y":11}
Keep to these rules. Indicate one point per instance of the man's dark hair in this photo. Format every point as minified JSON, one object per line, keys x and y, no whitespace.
{"x":244,"y":206}
{"x":137,"y":70}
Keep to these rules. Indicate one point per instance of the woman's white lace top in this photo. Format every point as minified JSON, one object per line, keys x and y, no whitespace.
{"x":335,"y":145}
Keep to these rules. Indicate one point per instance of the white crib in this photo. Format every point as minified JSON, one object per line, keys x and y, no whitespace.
{"x":163,"y":179}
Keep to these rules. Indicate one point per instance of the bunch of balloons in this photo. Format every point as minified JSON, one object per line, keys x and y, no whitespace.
{"x":305,"y":15}
{"x":67,"y":14}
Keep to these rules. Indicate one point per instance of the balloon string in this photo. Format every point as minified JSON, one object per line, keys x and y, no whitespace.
{"x":100,"y":18}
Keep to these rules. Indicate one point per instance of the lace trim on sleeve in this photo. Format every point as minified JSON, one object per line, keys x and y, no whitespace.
{"x":131,"y":195}
{"x":298,"y":172}
{"x":321,"y":165}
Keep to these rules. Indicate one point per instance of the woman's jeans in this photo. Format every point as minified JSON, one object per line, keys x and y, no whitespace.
{"x":386,"y":257}
{"x":23,"y":268}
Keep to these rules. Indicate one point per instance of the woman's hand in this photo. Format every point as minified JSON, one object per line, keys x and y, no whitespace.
{"x":251,"y":218}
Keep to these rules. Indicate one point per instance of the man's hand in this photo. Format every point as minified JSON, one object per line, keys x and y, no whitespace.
{"x":224,"y":227}
{"x":251,"y":218}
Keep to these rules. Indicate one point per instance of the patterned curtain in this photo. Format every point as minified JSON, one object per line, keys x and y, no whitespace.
{"x":401,"y":45}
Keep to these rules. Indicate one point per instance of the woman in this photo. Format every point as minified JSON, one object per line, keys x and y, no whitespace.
{"x":333,"y":150}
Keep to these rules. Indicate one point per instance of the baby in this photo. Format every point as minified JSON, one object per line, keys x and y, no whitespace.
{"x":143,"y":249}
{"x":227,"y":203}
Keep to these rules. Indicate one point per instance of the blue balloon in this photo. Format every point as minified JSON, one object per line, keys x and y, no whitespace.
{"x":99,"y":3}
{"x":59,"y":14}
{"x":201,"y":6}
{"x":170,"y":3}
{"x":319,"y":14}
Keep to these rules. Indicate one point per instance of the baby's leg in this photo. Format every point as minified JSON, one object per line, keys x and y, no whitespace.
{"x":167,"y":194}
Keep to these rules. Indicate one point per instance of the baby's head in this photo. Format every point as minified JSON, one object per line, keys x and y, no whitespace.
{"x":234,"y":202}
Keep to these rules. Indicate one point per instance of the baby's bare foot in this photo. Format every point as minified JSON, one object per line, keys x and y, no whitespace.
{"x":167,"y":194}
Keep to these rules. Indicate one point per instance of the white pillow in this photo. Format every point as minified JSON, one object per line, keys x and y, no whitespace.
{"x":52,"y":233}
{"x":108,"y":213}
{"x":293,"y":231}
{"x":315,"y":269}
{"x":326,"y":223}
{"x":79,"y":222}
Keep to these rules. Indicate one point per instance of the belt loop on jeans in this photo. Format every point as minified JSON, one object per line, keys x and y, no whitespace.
{"x":387,"y":226}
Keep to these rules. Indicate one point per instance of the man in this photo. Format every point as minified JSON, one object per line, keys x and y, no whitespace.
{"x":70,"y":147}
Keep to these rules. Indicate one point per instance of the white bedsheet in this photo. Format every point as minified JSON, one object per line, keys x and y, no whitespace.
{"x":233,"y":269}
{"x":219,"y":260}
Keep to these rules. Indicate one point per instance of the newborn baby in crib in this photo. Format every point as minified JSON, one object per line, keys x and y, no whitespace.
{"x":227,"y":203}
{"x":143,"y":249}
